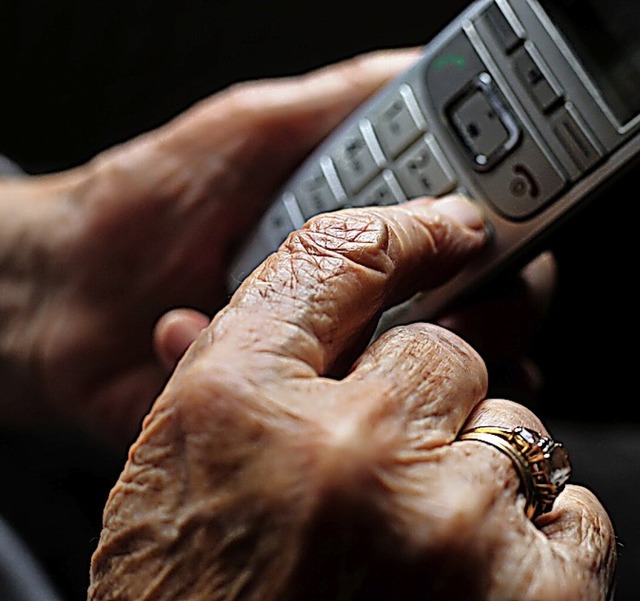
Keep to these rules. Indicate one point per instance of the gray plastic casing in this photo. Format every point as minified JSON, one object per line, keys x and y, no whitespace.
{"x":499,"y":108}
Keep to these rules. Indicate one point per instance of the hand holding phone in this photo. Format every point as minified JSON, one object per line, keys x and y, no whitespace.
{"x":529,"y":107}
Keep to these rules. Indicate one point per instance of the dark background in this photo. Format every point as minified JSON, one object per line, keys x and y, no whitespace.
{"x":81,"y":75}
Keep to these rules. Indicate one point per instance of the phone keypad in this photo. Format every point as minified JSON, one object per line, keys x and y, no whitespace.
{"x":386,"y":158}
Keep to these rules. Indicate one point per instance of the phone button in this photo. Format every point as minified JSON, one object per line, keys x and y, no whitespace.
{"x":523,"y":182}
{"x":354,"y":162}
{"x":483,"y":122}
{"x":537,"y":78}
{"x":507,"y":36}
{"x":272,"y":230}
{"x":398,"y":123}
{"x":455,"y":63}
{"x":577,"y":140}
{"x":384,"y":190}
{"x":424,"y":171}
{"x":315,"y":195}
{"x":277,"y":223}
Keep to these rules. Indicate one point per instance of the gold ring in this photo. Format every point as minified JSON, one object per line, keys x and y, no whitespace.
{"x":542,"y":464}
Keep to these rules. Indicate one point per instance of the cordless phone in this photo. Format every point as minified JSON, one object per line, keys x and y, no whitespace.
{"x":529,"y":107}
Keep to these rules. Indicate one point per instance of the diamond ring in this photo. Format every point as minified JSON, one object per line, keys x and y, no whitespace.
{"x":542,"y":464}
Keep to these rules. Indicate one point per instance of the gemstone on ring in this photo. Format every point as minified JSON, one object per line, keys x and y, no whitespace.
{"x":542,"y":464}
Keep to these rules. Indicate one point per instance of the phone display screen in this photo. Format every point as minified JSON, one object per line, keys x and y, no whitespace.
{"x":605,"y":36}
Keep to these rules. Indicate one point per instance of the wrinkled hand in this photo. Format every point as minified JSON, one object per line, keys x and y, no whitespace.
{"x":284,"y":461}
{"x":91,"y":258}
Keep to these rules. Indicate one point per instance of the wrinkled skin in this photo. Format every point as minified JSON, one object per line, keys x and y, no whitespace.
{"x":95,"y":261}
{"x":92,"y":257}
{"x":282,"y":460}
{"x":285,"y":461}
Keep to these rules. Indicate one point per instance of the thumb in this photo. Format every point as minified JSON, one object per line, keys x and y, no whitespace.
{"x":174,"y":333}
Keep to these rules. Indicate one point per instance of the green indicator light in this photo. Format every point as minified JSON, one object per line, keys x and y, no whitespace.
{"x":449,"y":60}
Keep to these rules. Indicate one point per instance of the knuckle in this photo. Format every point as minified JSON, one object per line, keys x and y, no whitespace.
{"x":351,"y":238}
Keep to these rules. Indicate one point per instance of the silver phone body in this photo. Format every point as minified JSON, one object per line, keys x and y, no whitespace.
{"x":509,"y":105}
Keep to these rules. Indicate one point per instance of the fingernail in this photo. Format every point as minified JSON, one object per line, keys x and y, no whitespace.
{"x":461,"y":209}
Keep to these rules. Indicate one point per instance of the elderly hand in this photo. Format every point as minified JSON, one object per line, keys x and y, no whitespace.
{"x":284,"y":460}
{"x":91,"y":258}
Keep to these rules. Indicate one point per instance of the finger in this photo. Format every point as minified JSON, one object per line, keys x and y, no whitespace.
{"x":435,"y":375}
{"x":459,"y":493}
{"x":503,"y":413}
{"x":298,"y":111}
{"x":576,"y":557}
{"x":504,"y":330}
{"x":487,"y":460}
{"x":580,"y":530}
{"x":328,"y":283}
{"x":174,"y":333}
{"x":247,"y":138}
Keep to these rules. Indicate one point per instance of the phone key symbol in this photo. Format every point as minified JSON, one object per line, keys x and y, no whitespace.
{"x":524,"y":183}
{"x":423,"y":170}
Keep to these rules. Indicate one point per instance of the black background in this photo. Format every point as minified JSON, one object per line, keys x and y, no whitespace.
{"x":81,"y":75}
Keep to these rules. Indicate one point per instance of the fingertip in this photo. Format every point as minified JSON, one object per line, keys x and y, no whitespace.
{"x":461,"y":209}
{"x":541,"y":276}
{"x":580,"y":525}
{"x":580,"y":506}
